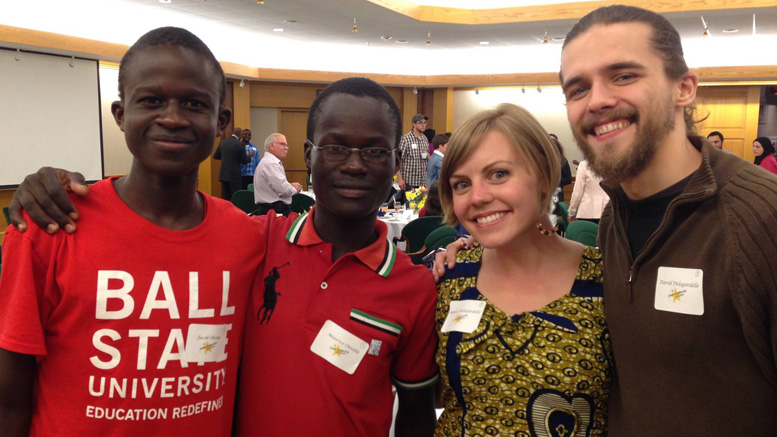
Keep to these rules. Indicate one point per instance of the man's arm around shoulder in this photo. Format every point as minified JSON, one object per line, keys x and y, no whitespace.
{"x":17,"y":374}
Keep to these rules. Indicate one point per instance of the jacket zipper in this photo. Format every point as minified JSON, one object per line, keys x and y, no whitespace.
{"x":660,"y":227}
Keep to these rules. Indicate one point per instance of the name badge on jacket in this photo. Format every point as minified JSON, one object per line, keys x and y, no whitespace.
{"x":680,"y":290}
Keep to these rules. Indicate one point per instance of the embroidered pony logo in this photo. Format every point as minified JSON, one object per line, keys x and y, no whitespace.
{"x":270,"y":295}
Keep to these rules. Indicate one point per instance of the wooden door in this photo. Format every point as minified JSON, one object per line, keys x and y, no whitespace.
{"x":733,"y":111}
{"x":293,"y":124}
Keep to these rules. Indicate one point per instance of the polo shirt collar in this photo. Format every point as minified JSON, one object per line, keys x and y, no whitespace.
{"x":378,"y":256}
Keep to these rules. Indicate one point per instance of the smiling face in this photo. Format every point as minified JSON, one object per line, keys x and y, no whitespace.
{"x":351,"y":189}
{"x":495,"y":196}
{"x":620,"y":103}
{"x":758,"y":149}
{"x":170,"y":113}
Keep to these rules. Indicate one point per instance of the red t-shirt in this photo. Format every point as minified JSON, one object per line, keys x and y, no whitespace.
{"x":137,"y":329}
{"x":375,"y":293}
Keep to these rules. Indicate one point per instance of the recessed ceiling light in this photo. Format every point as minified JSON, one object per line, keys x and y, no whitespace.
{"x":369,"y":43}
{"x":401,"y":41}
{"x":165,"y":1}
{"x":291,"y":21}
{"x":278,"y":29}
{"x":385,"y":38}
{"x":730,"y":30}
{"x":484,"y":43}
{"x":558,"y":38}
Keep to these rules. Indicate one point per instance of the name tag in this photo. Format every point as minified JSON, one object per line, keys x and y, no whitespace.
{"x":464,"y":316}
{"x":414,"y":146}
{"x":338,"y":346}
{"x":206,"y":343}
{"x":680,"y":290}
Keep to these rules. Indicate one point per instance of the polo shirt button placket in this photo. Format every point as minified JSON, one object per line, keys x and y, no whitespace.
{"x":324,"y":285}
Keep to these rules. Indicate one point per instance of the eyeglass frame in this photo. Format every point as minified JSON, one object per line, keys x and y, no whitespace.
{"x":351,"y":150}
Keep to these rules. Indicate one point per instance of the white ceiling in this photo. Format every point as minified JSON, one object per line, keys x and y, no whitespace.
{"x":322,"y":38}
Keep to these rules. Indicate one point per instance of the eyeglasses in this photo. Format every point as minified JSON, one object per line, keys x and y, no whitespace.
{"x":282,"y":144}
{"x":334,"y":152}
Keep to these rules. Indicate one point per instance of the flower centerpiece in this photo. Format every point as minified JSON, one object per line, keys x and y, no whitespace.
{"x":416,"y":198}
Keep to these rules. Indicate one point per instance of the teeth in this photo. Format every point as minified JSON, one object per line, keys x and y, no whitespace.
{"x":490,"y":218}
{"x":601,"y":130}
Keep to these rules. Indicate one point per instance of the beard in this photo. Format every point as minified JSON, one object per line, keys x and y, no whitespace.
{"x":657,"y":122}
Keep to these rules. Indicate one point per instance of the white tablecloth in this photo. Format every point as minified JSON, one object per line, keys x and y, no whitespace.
{"x":395,"y":226}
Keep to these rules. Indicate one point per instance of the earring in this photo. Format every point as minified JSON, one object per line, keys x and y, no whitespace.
{"x":542,"y":230}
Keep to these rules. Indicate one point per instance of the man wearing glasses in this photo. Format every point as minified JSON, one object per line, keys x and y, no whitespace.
{"x":414,"y":148}
{"x":272,"y":191}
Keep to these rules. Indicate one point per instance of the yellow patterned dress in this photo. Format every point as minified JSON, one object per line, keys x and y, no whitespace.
{"x":539,"y":373}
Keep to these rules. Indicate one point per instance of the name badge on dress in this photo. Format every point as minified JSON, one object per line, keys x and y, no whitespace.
{"x":338,"y":346}
{"x":464,"y":316}
{"x":680,"y":290}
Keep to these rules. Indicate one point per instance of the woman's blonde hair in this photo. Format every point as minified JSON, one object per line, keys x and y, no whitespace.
{"x":529,"y":139}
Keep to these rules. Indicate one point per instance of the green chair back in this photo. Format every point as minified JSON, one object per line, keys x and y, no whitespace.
{"x":392,"y":192}
{"x":563,"y":217}
{"x":584,"y":232}
{"x":250,"y":187}
{"x":414,"y":234}
{"x":440,"y":237}
{"x":244,"y":200}
{"x":301,"y":203}
{"x":7,"y":217}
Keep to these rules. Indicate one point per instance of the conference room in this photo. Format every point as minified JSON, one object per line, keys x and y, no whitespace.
{"x":444,"y":60}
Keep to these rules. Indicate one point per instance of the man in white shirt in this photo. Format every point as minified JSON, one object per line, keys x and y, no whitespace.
{"x":272,"y":191}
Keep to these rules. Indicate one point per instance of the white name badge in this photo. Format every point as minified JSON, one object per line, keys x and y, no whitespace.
{"x":338,"y":346}
{"x":680,"y":290}
{"x":206,"y":343}
{"x":464,"y":316}
{"x":414,"y":146}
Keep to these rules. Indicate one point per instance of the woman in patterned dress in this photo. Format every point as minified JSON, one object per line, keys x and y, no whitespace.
{"x":524,"y":348}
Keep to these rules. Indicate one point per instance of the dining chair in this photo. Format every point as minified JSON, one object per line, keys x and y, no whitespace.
{"x":301,"y":203}
{"x":244,"y":200}
{"x":414,"y":234}
{"x":584,"y":232}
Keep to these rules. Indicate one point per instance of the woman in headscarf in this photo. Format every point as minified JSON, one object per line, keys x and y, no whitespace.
{"x":764,"y":154}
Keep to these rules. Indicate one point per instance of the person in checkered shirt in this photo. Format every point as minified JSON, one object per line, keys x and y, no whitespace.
{"x":414,"y":148}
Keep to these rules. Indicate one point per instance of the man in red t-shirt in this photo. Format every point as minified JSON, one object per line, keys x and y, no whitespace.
{"x":125,"y":328}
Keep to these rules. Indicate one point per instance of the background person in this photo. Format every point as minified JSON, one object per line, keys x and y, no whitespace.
{"x":272,"y":191}
{"x":716,"y":139}
{"x":764,"y":154}
{"x":588,"y":198}
{"x":231,"y":152}
{"x":247,"y":170}
{"x":414,"y":150}
{"x":439,"y":142}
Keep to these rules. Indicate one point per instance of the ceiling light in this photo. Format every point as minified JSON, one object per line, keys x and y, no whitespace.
{"x":18,"y":55}
{"x":730,"y":30}
{"x":242,"y":83}
{"x":355,"y":27}
{"x":429,"y":38}
{"x":385,"y":38}
{"x":291,"y":21}
{"x":539,"y":88}
{"x":260,"y":2}
{"x":523,"y":89}
{"x":477,"y":91}
{"x":704,"y":23}
{"x":278,"y":29}
{"x":415,"y":90}
{"x":369,"y":43}
{"x":557,"y":39}
{"x":484,"y":43}
{"x":72,"y":62}
{"x":165,"y":1}
{"x":401,"y":41}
